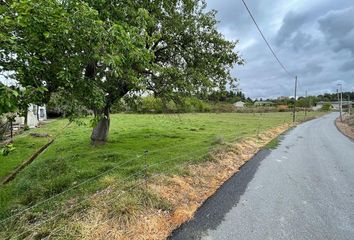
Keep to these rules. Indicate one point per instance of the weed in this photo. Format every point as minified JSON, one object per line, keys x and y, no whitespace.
{"x":219,"y":140}
{"x":135,"y":200}
{"x":7,"y":149}
{"x":273,"y":144}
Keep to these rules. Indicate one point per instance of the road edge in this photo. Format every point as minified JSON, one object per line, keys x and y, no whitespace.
{"x":342,"y":131}
{"x":257,"y":158}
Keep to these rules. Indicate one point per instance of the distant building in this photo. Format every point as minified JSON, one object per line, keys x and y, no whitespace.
{"x":239,"y":104}
{"x":263,"y":103}
{"x":35,"y":115}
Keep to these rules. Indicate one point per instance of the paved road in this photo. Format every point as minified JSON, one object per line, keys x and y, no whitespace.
{"x":302,"y":190}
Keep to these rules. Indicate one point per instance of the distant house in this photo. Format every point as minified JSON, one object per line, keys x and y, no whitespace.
{"x":263,"y":103}
{"x":35,"y":115}
{"x":239,"y":104}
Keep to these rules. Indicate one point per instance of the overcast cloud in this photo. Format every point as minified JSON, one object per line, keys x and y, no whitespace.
{"x":314,"y":40}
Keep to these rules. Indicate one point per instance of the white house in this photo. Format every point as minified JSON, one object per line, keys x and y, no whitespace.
{"x":35,"y":115}
{"x":239,"y":104}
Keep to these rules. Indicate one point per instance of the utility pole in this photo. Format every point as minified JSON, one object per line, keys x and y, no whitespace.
{"x":340,"y":103}
{"x":306,"y":103}
{"x":349,"y":104}
{"x":294,"y":109}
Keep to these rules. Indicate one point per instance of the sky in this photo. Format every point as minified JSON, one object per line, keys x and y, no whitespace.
{"x":314,"y":39}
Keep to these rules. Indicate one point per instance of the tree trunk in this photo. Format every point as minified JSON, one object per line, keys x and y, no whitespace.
{"x":100,"y":131}
{"x":26,"y":120}
{"x":37,"y":109}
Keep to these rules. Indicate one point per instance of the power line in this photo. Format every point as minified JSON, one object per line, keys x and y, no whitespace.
{"x":270,"y":48}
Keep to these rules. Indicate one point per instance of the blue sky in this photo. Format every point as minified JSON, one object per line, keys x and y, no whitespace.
{"x":313,"y":39}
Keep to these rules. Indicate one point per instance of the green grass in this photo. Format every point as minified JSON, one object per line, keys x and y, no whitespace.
{"x":171,"y":141}
{"x":273,"y":144}
{"x":26,"y":146}
{"x":9,"y":163}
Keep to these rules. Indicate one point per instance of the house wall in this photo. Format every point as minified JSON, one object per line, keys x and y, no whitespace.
{"x":32,"y":119}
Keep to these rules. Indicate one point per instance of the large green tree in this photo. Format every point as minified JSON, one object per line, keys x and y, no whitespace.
{"x":64,"y":46}
{"x":189,"y":55}
{"x":99,"y":51}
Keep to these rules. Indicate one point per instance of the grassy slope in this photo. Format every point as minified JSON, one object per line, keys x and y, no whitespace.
{"x":26,"y":146}
{"x":71,"y":160}
{"x":9,"y":163}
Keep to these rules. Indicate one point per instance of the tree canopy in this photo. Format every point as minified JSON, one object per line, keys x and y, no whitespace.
{"x":8,"y":100}
{"x":96,"y":52}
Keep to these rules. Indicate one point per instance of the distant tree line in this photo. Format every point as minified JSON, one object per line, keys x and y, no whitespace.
{"x":313,"y":100}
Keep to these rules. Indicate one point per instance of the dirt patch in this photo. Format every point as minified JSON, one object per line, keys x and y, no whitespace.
{"x":347,"y":126}
{"x":185,"y":193}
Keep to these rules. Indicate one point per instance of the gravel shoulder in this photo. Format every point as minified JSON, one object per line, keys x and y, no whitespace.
{"x":347,"y":126}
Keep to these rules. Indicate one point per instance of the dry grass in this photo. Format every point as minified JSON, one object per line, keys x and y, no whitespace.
{"x":347,"y":126}
{"x":168,"y":201}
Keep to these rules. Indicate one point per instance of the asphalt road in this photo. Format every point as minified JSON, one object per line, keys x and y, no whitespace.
{"x":304,"y":189}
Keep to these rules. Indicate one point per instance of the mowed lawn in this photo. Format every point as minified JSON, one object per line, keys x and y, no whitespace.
{"x":170,"y":141}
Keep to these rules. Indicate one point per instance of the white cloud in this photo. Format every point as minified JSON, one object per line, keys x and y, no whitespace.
{"x":319,"y":56}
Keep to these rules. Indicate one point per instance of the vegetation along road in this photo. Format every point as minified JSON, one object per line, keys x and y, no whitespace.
{"x":301,"y":190}
{"x":65,"y":177}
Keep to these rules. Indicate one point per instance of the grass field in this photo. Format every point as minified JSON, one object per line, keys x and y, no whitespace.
{"x":71,"y":161}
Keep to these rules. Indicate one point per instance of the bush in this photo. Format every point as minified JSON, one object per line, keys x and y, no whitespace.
{"x":7,"y":149}
{"x":150,"y":104}
{"x":193,"y":104}
{"x":223,"y":107}
{"x":326,"y":107}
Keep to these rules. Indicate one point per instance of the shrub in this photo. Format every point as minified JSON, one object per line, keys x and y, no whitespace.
{"x":120,"y":106}
{"x":326,"y":107}
{"x":223,"y":107}
{"x":7,"y":149}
